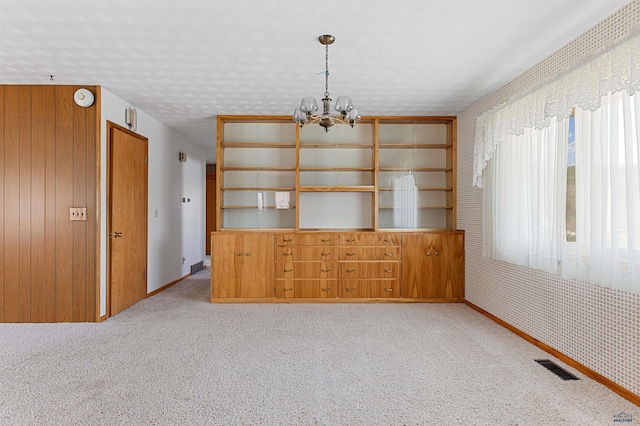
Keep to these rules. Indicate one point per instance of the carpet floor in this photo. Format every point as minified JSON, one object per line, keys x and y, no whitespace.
{"x":176,"y":359}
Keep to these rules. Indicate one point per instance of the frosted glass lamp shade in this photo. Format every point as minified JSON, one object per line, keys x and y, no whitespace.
{"x":344,"y":104}
{"x":299,"y":116}
{"x":309,"y":104}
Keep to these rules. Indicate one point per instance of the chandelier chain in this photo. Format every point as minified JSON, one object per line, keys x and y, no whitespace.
{"x":326,"y":72}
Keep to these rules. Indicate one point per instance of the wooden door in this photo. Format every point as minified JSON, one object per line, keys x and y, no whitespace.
{"x":226,"y":265}
{"x":417,"y":266}
{"x":242,"y":265}
{"x":258,"y":272}
{"x":127,"y":218}
{"x":211,"y":209}
{"x":432,"y":266}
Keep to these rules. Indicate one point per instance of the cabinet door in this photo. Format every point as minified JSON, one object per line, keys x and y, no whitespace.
{"x":226,"y":265}
{"x":432,"y":266}
{"x":242,"y":265}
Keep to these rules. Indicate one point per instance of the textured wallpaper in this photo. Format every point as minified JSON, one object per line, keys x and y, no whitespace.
{"x":598,"y":327}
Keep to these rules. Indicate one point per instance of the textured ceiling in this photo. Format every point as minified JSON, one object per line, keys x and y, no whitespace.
{"x":184,"y":62}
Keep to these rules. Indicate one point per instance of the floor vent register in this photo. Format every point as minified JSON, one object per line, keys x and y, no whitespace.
{"x":556,"y":369}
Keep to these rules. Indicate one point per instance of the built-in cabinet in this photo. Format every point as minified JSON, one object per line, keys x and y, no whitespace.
{"x":337,"y":266}
{"x":362,"y":213}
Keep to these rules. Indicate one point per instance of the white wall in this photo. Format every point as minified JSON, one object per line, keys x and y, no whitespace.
{"x":176,"y":230}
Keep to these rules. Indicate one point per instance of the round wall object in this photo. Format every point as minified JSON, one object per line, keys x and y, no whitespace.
{"x":83,"y":97}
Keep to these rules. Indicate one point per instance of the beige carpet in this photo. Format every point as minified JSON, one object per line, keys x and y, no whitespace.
{"x":175,"y":359}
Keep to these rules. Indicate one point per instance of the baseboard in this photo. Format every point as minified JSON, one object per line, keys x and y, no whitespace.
{"x":166,"y":286}
{"x":625,"y":393}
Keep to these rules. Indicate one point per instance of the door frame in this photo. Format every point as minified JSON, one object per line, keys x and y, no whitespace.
{"x":110,"y":127}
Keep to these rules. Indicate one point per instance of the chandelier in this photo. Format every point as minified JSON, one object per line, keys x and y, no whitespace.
{"x":308,"y":106}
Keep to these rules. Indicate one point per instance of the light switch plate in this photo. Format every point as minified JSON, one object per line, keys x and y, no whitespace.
{"x":77,"y":213}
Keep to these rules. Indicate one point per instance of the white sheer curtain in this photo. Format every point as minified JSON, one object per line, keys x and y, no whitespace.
{"x":520,"y":159}
{"x":524,"y":198}
{"x":607,"y":247}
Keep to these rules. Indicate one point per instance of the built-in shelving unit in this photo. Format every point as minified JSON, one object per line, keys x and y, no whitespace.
{"x":385,"y":173}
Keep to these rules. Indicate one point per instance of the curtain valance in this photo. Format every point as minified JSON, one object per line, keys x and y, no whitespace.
{"x":614,"y":69}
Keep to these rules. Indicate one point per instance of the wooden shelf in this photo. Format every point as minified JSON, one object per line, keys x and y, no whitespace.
{"x":419,"y":189}
{"x":362,"y":188}
{"x":419,"y":207}
{"x":253,"y":145}
{"x":253,"y":207}
{"x":257,"y":189}
{"x":336,"y":145}
{"x":414,"y":146}
{"x":258,"y":169}
{"x":409,"y":169}
{"x":337,"y":169}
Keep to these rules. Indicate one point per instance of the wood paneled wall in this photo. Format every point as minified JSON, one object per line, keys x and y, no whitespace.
{"x":48,"y":164}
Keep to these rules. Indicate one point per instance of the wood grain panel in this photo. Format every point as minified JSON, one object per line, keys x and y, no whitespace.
{"x":64,"y":200}
{"x":79,"y":200}
{"x":38,"y":206}
{"x":25,"y":203}
{"x":92,"y":283}
{"x":47,"y":271}
{"x":2,"y":155}
{"x":49,"y":266}
{"x":12,"y":205}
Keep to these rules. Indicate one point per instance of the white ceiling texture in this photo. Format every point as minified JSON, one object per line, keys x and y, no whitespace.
{"x":184,"y":62}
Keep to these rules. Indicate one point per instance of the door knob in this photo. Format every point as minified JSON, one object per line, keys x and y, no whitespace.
{"x":117,"y":235}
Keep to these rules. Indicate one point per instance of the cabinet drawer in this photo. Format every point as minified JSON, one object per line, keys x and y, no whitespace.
{"x":369,"y":240}
{"x":289,"y":289}
{"x":349,"y":270}
{"x":288,"y":254}
{"x":371,"y":288}
{"x":306,"y":270}
{"x":306,"y":239}
{"x":369,"y":253}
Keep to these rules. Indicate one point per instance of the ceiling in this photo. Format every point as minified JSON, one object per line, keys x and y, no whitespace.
{"x":184,"y":62}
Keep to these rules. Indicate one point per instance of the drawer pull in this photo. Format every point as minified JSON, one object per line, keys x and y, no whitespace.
{"x":350,"y":289}
{"x":288,"y":270}
{"x":287,"y":240}
{"x":288,"y":254}
{"x":388,"y":241}
{"x":436,"y":253}
{"x":351,"y":254}
{"x":388,"y":289}
{"x":428,"y":253}
{"x":325,"y":241}
{"x":247,"y":254}
{"x":325,"y":254}
{"x":388,"y":254}
{"x":325,"y":270}
{"x":288,"y":289}
{"x":239,"y":253}
{"x":388,"y":270}
{"x":351,"y":270}
{"x":324,"y":289}
{"x":351,"y":240}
